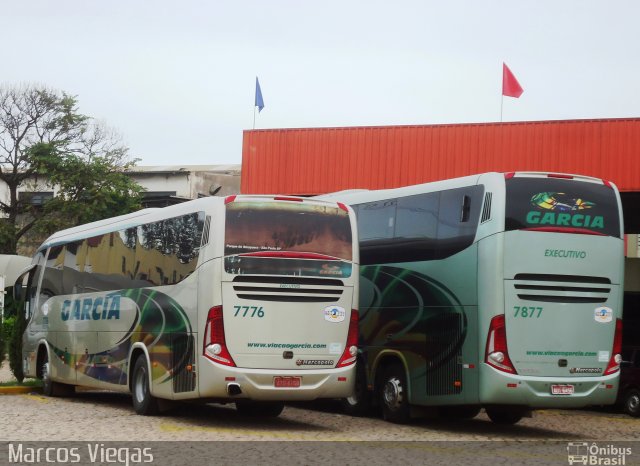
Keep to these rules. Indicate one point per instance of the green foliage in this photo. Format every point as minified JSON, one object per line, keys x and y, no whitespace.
{"x":3,"y":345}
{"x":89,"y":189}
{"x":43,"y":137}
{"x":6,"y":328}
{"x":15,"y":346}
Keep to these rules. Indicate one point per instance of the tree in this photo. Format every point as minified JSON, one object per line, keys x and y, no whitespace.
{"x":43,"y":136}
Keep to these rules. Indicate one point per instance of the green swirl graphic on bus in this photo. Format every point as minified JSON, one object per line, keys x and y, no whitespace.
{"x":158,"y":322}
{"x":560,"y":202}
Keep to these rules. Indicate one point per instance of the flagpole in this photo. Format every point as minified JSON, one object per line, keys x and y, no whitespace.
{"x":501,"y":104}
{"x":254,"y":117}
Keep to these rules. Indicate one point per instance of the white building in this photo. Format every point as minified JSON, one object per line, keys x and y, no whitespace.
{"x":163,"y":185}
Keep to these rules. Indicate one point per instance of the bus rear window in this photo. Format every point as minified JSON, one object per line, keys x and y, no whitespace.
{"x":553,"y":204}
{"x":287,"y":235}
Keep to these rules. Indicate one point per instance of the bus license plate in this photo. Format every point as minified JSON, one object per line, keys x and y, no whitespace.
{"x":562,"y":389}
{"x":287,"y":382}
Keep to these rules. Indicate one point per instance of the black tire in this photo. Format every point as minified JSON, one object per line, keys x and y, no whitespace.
{"x":504,"y":416}
{"x":459,"y":412}
{"x":143,"y":402}
{"x":359,"y":404}
{"x":260,"y":408}
{"x":394,"y":395}
{"x":631,"y":404}
{"x":49,"y":387}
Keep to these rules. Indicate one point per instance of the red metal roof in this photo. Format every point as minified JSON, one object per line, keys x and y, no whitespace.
{"x":320,"y":160}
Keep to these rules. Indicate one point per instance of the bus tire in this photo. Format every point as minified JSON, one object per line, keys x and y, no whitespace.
{"x":359,"y":404}
{"x":504,"y":415}
{"x":49,"y":387}
{"x":631,"y":402}
{"x":143,"y":402}
{"x":259,"y":408}
{"x":394,"y":395}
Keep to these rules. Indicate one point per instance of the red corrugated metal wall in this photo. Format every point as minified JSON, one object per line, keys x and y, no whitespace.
{"x":320,"y":160}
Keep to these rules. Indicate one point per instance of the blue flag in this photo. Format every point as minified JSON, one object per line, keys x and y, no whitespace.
{"x":259,"y":102}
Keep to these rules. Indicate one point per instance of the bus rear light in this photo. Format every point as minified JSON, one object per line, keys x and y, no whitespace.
{"x":215,"y":346}
{"x":351,"y":348}
{"x":343,"y":207}
{"x":496,"y":353}
{"x":616,"y":356}
{"x":607,"y":183}
{"x":508,"y":176}
{"x":229,"y":199}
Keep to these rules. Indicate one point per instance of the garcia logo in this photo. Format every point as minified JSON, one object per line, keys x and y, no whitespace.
{"x":334,"y":313}
{"x":603,"y":314}
{"x":560,"y":209}
{"x":100,"y":308}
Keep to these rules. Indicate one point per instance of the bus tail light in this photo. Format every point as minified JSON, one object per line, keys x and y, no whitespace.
{"x":496,"y":354}
{"x":351,"y":348}
{"x":215,"y":346}
{"x":616,"y":357}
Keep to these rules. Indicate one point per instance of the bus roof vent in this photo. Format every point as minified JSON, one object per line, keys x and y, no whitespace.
{"x":205,"y":231}
{"x":486,"y":209}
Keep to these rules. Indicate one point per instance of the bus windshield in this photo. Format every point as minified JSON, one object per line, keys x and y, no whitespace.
{"x":561,"y":205}
{"x":287,"y":238}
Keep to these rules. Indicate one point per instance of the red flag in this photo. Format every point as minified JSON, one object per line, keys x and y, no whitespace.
{"x":510,"y":85}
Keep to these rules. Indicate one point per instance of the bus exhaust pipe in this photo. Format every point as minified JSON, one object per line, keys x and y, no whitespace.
{"x":233,"y":389}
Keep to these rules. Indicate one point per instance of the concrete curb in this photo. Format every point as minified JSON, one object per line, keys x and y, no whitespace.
{"x":19,"y":390}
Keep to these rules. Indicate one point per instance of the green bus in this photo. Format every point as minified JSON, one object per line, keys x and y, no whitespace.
{"x":495,"y":291}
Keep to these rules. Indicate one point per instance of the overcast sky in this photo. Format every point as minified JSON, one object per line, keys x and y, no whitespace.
{"x":177,"y":79}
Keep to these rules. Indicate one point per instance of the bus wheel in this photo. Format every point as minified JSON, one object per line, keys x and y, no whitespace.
{"x":259,"y":408}
{"x":632,"y":402}
{"x":143,"y":402}
{"x":505,"y":416}
{"x":49,"y":387}
{"x":394,"y":396}
{"x":47,"y":383}
{"x":359,"y":404}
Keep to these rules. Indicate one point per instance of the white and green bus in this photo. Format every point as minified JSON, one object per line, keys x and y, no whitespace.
{"x":245,"y":299}
{"x":496,"y":291}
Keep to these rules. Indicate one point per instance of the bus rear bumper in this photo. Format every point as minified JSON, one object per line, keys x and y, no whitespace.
{"x":497,"y":388}
{"x":261,"y":384}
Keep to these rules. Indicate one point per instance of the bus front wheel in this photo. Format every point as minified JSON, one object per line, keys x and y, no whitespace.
{"x":49,"y":387}
{"x":143,"y":402}
{"x":394,"y":396}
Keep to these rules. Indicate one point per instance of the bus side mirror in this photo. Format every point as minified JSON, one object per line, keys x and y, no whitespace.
{"x":18,"y":291}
